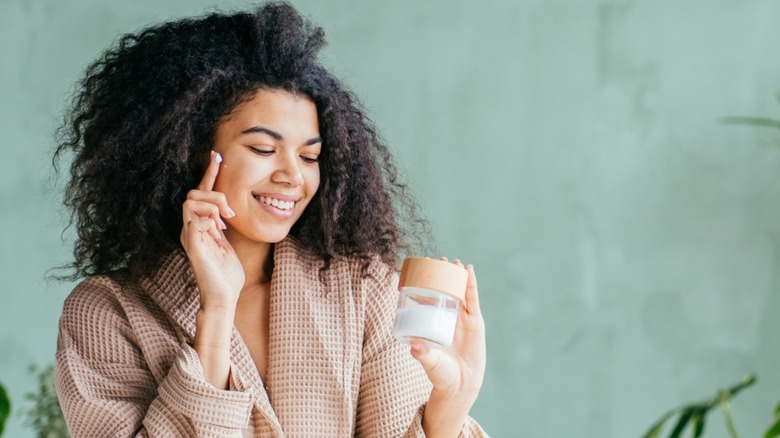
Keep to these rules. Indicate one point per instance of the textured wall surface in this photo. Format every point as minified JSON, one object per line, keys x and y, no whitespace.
{"x":627,"y":243}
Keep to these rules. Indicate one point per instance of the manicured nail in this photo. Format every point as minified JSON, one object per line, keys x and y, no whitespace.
{"x":416,"y":347}
{"x":217,"y":157}
{"x":230,"y":211}
{"x":222,"y":224}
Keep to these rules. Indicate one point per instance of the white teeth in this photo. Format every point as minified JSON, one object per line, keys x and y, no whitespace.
{"x":281,"y":205}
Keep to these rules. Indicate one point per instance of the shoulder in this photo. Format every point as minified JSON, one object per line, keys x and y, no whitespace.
{"x":96,"y":293}
{"x":101,"y":303}
{"x":94,"y":316}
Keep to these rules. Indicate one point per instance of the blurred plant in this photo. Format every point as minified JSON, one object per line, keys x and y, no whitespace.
{"x":5,"y":408}
{"x":695,"y":414}
{"x":774,"y":429}
{"x":763,"y":122}
{"x":752,"y":121}
{"x":45,"y":416}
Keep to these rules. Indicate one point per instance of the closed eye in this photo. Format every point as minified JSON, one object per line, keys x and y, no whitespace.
{"x":310,"y":160}
{"x":261,"y":151}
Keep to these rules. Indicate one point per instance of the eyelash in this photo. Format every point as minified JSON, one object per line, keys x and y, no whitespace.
{"x":266,"y":153}
{"x":261,"y":151}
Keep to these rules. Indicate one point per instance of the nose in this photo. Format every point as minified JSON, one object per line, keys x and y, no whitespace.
{"x":289,"y":171}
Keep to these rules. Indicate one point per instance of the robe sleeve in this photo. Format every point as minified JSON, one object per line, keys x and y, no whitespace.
{"x":105,"y":387}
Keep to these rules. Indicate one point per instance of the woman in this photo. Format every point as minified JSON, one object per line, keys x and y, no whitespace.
{"x":238,"y":231}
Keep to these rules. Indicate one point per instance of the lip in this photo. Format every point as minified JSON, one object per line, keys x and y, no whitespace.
{"x":277,"y":212}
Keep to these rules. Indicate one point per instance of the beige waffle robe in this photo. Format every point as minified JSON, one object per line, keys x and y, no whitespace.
{"x":125,"y":365}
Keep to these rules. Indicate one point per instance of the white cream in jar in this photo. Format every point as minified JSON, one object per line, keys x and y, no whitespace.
{"x":432,"y":292}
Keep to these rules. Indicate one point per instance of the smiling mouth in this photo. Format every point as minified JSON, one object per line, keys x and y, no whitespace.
{"x":281,"y":205}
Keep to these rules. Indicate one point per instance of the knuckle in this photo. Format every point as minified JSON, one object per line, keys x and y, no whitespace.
{"x":204,"y":224}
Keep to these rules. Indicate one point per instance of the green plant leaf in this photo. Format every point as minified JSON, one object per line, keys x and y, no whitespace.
{"x":774,"y":429}
{"x":658,"y":426}
{"x":752,"y":121}
{"x":744,"y":383}
{"x":725,"y":406}
{"x":699,"y":418}
{"x":685,"y":417}
{"x":45,"y":417}
{"x":5,"y":408}
{"x":696,"y":413}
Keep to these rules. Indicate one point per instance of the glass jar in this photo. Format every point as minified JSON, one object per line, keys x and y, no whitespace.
{"x":429,"y":302}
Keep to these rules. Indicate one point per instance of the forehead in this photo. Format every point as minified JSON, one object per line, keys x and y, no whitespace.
{"x":279,"y":110}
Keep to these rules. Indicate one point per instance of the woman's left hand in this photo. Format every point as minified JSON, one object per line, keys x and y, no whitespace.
{"x":457,"y":371}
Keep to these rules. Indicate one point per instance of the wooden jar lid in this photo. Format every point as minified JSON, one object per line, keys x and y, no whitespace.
{"x":434,"y":274}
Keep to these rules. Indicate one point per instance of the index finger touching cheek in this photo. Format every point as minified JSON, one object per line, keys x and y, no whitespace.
{"x":207,"y":183}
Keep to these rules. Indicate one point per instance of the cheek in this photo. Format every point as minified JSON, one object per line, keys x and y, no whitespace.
{"x":227,"y":183}
{"x":313,"y":181}
{"x":231,"y":176}
{"x":222,"y":180}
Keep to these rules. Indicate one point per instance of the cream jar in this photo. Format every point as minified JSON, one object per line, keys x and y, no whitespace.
{"x":432,"y":292}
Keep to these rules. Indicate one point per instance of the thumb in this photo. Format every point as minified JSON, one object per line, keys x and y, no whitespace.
{"x":428,"y":358}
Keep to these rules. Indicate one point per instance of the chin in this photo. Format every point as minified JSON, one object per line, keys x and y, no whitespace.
{"x":272,"y":237}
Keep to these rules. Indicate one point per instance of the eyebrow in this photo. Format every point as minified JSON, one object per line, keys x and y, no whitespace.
{"x":276,"y":135}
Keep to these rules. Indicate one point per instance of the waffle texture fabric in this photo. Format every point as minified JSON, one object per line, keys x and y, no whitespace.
{"x":125,"y":364}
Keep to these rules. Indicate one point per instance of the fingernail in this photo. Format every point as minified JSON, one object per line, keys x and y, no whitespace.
{"x":222,"y":224}
{"x":217,"y":157}
{"x":230,"y":211}
{"x":415,"y":347}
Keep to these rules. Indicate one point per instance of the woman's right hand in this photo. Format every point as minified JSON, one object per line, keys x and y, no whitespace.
{"x":218,"y":270}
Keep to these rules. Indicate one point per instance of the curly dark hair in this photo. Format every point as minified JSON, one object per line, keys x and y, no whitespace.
{"x":143,"y":123}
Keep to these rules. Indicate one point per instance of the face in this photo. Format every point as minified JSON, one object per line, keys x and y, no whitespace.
{"x":270,"y":145}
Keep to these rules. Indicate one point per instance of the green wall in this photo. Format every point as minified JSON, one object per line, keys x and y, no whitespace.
{"x":627,"y":243}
